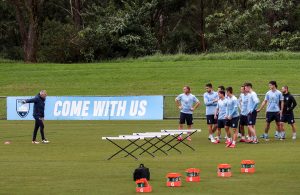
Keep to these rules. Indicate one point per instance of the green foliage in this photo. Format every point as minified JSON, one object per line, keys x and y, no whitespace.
{"x":9,"y":35}
{"x":59,"y":42}
{"x":134,"y":28}
{"x":114,"y":33}
{"x":286,"y":41}
{"x":246,"y":55}
{"x":252,"y":28}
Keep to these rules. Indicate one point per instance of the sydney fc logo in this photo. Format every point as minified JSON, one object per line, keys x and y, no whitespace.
{"x":22,"y":109}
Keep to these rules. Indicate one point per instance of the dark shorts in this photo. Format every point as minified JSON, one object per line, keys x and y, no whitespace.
{"x":271,"y":116}
{"x":188,"y":118}
{"x":288,"y":118}
{"x":210,"y":119}
{"x":243,"y":120}
{"x":221,"y":123}
{"x":251,"y":118}
{"x":233,"y":123}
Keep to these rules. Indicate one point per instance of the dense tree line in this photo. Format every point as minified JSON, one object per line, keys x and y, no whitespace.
{"x":86,"y":30}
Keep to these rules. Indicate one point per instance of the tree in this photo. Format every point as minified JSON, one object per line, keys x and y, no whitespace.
{"x":117,"y":29}
{"x":76,"y":7}
{"x":9,"y":34}
{"x":88,"y":30}
{"x":249,"y":25}
{"x":27,"y":16}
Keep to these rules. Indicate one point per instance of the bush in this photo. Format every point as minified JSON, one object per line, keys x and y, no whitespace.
{"x":115,"y":33}
{"x":286,"y":41}
{"x":58,"y":43}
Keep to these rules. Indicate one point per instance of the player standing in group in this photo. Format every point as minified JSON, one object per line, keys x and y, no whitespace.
{"x":289,"y":103}
{"x":38,"y":115}
{"x":210,"y":101}
{"x":220,"y":114}
{"x":253,"y":102}
{"x":232,"y":117}
{"x":243,"y":103}
{"x":221,"y":88}
{"x":186,"y":103}
{"x":274,"y":99}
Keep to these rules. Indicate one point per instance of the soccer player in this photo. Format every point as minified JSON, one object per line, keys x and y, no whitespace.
{"x":274,"y":99}
{"x":38,"y":115}
{"x":289,"y":103}
{"x":243,"y":103}
{"x":221,"y":88}
{"x":186,"y":103}
{"x":210,"y":101}
{"x":253,"y":102}
{"x":220,"y":114}
{"x":232,"y":117}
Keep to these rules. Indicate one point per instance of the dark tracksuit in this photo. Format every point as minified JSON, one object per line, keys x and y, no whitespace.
{"x":289,"y":103}
{"x":38,"y":115}
{"x":288,"y":107}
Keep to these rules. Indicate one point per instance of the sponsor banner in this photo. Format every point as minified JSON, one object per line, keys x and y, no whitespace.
{"x":90,"y":108}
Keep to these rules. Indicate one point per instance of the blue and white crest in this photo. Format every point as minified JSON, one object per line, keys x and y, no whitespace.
{"x":22,"y":109}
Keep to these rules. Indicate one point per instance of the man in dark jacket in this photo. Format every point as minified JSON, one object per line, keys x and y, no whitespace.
{"x":38,"y":115}
{"x":287,"y":113}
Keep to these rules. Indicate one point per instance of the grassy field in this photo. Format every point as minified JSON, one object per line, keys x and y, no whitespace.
{"x":147,"y":76}
{"x":75,"y":160}
{"x":135,"y":78}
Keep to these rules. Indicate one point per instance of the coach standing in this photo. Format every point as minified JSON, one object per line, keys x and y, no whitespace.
{"x":38,"y":115}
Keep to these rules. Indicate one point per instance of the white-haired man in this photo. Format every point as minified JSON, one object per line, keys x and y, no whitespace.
{"x":38,"y":115}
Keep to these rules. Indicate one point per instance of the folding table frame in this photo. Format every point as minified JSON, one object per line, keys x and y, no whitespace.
{"x":190,"y":132}
{"x":132,"y":141}
{"x":148,"y":137}
{"x":163,"y":140}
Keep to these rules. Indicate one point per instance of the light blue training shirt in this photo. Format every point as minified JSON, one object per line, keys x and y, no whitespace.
{"x":208,"y":101}
{"x":273,"y":98}
{"x":253,"y":102}
{"x":232,"y":107}
{"x":243,"y":102}
{"x":187,"y":102}
{"x":221,"y":106}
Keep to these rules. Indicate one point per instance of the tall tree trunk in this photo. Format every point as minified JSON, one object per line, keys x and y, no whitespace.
{"x":29,"y":31}
{"x":161,"y":31}
{"x":201,"y":33}
{"x":157,"y":20}
{"x":31,"y":43}
{"x":76,"y":13}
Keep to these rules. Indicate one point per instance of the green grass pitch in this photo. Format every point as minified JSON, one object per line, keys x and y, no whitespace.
{"x":75,"y":160}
